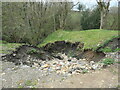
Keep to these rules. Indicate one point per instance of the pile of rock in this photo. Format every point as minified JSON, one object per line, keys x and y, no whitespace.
{"x":68,"y":65}
{"x":114,"y":55}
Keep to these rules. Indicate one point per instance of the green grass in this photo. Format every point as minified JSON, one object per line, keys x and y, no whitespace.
{"x":91,"y":38}
{"x":108,"y":61}
{"x":107,"y":49}
{"x":8,"y":47}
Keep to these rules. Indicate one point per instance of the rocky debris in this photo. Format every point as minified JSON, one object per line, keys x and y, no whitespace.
{"x":30,"y":55}
{"x":114,"y":55}
{"x":65,"y":66}
{"x":68,"y":65}
{"x":61,"y":57}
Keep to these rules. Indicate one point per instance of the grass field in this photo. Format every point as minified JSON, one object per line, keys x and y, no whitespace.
{"x":91,"y":38}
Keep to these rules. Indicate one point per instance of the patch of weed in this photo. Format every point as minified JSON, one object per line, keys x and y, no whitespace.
{"x":84,"y":71}
{"x":20,"y":86}
{"x":117,"y":49}
{"x":118,"y":62}
{"x":108,"y":61}
{"x":118,"y":86}
{"x":107,"y":49}
{"x":32,"y":51}
{"x":31,"y":83}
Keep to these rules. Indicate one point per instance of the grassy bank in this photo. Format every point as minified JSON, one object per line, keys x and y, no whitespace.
{"x":91,"y":38}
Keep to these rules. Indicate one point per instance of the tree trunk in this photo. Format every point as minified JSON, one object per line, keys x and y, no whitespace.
{"x":102,"y":21}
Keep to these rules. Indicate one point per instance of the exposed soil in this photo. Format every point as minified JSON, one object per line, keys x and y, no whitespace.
{"x":48,"y":52}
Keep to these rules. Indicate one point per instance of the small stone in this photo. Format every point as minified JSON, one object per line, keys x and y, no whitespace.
{"x":14,"y":54}
{"x":64,"y":69}
{"x":62,"y":63}
{"x":45,"y":69}
{"x":73,"y":72}
{"x":3,"y":74}
{"x":92,"y":62}
{"x":36,"y":64}
{"x":78,"y":71}
{"x":82,"y":67}
{"x":94,"y":67}
{"x":83,"y":59}
{"x":45,"y":66}
{"x":58,"y":68}
{"x":70,"y":72}
{"x":58,"y":71}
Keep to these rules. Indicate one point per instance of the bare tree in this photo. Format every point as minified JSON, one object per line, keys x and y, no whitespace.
{"x":104,"y":9}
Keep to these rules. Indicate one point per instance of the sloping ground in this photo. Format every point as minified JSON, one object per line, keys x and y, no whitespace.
{"x":90,"y":38}
{"x":111,"y":45}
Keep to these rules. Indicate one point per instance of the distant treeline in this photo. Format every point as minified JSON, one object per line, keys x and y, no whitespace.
{"x":31,"y":22}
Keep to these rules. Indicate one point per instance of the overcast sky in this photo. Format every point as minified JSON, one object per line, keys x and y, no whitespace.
{"x":92,"y":3}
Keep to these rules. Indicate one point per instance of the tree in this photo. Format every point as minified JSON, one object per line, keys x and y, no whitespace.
{"x":104,"y":9}
{"x":31,"y":22}
{"x":90,"y":19}
{"x":80,"y":7}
